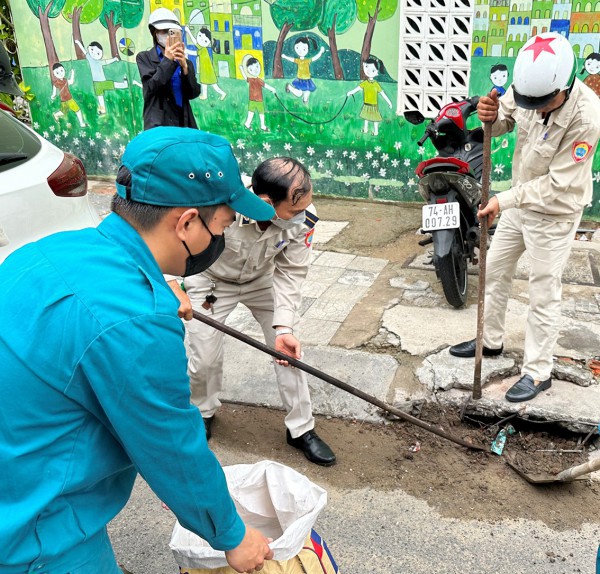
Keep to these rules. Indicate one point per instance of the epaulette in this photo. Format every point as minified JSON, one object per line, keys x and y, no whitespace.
{"x":311,"y":219}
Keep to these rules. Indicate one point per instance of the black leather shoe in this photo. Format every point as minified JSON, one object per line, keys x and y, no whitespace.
{"x":314,"y":448}
{"x":526,"y":389}
{"x":208,"y":421}
{"x":467,"y":349}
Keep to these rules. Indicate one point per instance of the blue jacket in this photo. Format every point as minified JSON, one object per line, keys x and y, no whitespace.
{"x":94,"y":388}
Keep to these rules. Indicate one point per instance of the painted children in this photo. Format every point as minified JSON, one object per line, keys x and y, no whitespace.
{"x":592,"y":67}
{"x":303,"y":85}
{"x":251,"y":72}
{"x":371,"y":90}
{"x":94,"y":55}
{"x":60,"y":87}
{"x":206,"y":72}
{"x":499,"y":77}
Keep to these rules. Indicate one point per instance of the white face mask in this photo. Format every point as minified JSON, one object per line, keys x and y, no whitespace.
{"x":161,"y":38}
{"x":289,"y":223}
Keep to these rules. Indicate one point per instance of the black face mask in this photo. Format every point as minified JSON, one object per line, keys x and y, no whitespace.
{"x":195,"y":264}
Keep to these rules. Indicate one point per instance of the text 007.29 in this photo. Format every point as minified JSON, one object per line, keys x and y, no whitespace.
{"x":441,"y":216}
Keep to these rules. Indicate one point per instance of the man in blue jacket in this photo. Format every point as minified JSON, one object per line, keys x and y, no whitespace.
{"x":93,"y":382}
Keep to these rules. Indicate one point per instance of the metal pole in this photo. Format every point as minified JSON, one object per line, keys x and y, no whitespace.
{"x":483,"y":228}
{"x":332,"y":380}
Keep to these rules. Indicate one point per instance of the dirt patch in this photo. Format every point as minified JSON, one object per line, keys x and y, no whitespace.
{"x":459,"y":483}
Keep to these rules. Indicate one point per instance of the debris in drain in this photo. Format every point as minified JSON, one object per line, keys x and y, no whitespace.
{"x":500,"y":440}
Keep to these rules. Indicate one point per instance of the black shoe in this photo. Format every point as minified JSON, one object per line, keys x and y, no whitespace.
{"x":467,"y":349}
{"x":525,"y":389}
{"x":314,"y":448}
{"x":208,"y":421}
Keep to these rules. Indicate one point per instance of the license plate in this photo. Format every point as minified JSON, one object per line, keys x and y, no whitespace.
{"x":441,"y":216}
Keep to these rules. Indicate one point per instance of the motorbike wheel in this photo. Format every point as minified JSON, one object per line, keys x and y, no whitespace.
{"x":452,"y":270}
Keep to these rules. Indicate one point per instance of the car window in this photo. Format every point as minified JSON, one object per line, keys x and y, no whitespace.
{"x":17,"y":143}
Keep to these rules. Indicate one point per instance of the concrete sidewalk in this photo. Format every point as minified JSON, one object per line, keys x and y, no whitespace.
{"x":385,"y":328}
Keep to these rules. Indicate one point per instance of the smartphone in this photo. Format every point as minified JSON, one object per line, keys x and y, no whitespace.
{"x":174,"y":36}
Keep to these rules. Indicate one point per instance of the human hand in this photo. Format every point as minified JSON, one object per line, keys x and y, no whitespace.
{"x":250,"y":555}
{"x":172,"y":52}
{"x":288,"y":345}
{"x":487,"y":108}
{"x":491,"y":210}
{"x":185,"y":310}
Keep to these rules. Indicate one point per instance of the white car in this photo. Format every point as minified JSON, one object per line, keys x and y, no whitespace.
{"x":42,"y":189}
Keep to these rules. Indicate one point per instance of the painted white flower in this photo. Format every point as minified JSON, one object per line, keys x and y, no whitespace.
{"x":420,"y":150}
{"x":69,"y":125}
{"x":596,"y":177}
{"x":369,"y":155}
{"x":385,"y":157}
{"x":260,"y":156}
{"x":377,"y":188}
{"x":397,"y":145}
{"x":310,"y":150}
{"x":499,"y":169}
{"x":115,"y":153}
{"x":339,"y":165}
{"x":52,"y":128}
{"x":46,"y":135}
{"x":328,"y":173}
{"x":107,"y":140}
{"x":240,"y":144}
{"x":345,"y":153}
{"x":375,"y":163}
{"x":82,"y":155}
{"x":301,"y":160}
{"x":352,"y":155}
{"x":125,"y":131}
{"x":249,"y":155}
{"x":98,"y":135}
{"x":266,"y":146}
{"x":382,"y":172}
{"x":365,"y":175}
{"x":377,"y":148}
{"x":329,"y":153}
{"x":91,"y":142}
{"x":57,"y":138}
{"x":99,"y":163}
{"x":105,"y":151}
{"x":311,"y":168}
{"x":65,"y":133}
{"x":320,"y":164}
{"x":406,"y":162}
{"x":36,"y":125}
{"x":121,"y":149}
{"x":287,"y":146}
{"x":359,"y":165}
{"x":75,"y":141}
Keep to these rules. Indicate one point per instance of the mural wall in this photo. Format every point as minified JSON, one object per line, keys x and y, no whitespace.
{"x":327,"y":81}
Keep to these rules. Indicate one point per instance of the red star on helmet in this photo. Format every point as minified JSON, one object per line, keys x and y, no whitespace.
{"x":541,"y":45}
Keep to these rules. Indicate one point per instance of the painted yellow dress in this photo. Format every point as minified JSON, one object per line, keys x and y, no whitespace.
{"x":206,"y":72}
{"x":370,"y":109}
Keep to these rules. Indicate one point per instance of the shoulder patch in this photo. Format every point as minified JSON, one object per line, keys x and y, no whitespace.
{"x":311,"y":219}
{"x":308,"y":238}
{"x":580,"y":151}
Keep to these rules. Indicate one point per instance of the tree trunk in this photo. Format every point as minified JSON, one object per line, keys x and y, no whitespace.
{"x":335,"y":57}
{"x":112,"y":34}
{"x":47,"y":35}
{"x":366,"y":47}
{"x":277,"y":60}
{"x":76,"y":25}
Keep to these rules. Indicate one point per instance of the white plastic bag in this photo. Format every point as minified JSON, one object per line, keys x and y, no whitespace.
{"x":271,"y":497}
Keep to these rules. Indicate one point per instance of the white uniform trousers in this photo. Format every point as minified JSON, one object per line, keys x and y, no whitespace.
{"x":548,"y":243}
{"x":205,"y":349}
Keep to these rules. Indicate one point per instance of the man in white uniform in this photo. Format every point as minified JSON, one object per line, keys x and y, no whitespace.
{"x":263,"y":267}
{"x":558,"y":120}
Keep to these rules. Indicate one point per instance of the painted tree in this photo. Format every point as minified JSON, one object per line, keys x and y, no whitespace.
{"x":369,"y":12}
{"x":297,"y":15}
{"x":120,"y":13}
{"x":79,"y":12}
{"x":337,"y":18}
{"x":44,"y":10}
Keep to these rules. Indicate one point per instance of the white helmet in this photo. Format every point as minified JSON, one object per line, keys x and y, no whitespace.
{"x":163,"y":19}
{"x":545,"y":66}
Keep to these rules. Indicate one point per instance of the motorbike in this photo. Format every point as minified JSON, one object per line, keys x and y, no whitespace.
{"x":450,"y":183}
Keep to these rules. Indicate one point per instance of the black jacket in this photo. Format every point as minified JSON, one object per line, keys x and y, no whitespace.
{"x":160,"y":108}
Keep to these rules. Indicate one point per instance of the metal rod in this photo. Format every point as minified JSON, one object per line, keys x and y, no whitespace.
{"x":332,"y":380}
{"x":483,"y":233}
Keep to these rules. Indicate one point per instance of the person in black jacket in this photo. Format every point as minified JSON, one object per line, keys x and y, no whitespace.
{"x":168,"y":78}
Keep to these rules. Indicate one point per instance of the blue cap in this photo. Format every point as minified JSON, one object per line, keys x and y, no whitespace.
{"x":185,"y":167}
